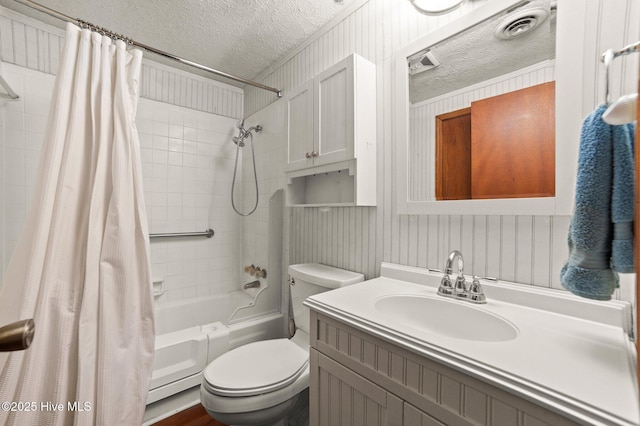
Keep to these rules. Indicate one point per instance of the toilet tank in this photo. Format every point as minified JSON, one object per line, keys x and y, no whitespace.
{"x":308,"y":279}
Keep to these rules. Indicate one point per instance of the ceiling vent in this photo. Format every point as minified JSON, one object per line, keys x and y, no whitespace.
{"x":521,"y":22}
{"x":422,"y":61}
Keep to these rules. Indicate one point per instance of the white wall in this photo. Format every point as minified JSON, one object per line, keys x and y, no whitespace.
{"x":187,"y":161}
{"x":24,"y":123}
{"x":528,"y":249}
{"x":270,"y":154}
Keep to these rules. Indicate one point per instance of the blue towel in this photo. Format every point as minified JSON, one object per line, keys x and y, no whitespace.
{"x":622,"y":201}
{"x":601,"y":230}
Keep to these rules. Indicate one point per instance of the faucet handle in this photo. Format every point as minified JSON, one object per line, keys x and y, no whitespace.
{"x":476,"y":295}
{"x":460,"y":288}
{"x":261,"y":273}
{"x":446,"y":288}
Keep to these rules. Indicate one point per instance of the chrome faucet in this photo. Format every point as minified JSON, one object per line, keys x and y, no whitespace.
{"x":473,"y":294}
{"x":459,"y":289}
{"x":252,"y":284}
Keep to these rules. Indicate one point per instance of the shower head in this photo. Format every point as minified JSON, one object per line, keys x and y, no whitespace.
{"x":244,"y":133}
{"x":238,"y":141}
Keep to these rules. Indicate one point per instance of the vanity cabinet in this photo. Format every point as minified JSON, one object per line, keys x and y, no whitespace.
{"x":359,"y":379}
{"x":347,"y":398}
{"x":331,"y":122}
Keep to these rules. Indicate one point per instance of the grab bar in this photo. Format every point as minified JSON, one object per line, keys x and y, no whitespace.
{"x":8,"y":89}
{"x":208,"y":233}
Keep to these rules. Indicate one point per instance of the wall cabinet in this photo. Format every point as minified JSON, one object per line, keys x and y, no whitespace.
{"x":358,"y":379}
{"x":331,"y":143}
{"x":300,"y":126}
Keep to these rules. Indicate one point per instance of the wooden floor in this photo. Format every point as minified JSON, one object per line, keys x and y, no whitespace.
{"x":194,"y":416}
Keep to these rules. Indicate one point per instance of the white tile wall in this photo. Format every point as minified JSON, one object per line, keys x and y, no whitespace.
{"x":270,"y":154}
{"x":270,"y":160}
{"x":187,"y":163}
{"x":187,"y":160}
{"x":185,"y":123}
{"x":24,"y":124}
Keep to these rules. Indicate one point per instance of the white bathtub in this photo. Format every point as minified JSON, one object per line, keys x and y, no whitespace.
{"x":190,"y":334}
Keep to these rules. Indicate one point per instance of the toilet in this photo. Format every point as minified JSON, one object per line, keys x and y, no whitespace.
{"x":258,"y":383}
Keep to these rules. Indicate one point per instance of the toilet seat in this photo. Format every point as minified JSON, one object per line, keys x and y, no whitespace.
{"x":256,"y":368}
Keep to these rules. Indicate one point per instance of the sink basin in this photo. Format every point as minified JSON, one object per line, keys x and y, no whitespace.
{"x":446,"y":317}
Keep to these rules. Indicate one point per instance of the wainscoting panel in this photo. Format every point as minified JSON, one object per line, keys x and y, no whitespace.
{"x":525,"y":249}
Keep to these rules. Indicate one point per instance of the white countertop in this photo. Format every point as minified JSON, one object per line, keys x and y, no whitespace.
{"x":573,"y":357}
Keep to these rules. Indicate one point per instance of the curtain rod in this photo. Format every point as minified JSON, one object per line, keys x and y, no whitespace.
{"x":85,"y":24}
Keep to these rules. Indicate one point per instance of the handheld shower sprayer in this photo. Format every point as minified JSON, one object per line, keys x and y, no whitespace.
{"x":239,"y":141}
{"x":244,"y":133}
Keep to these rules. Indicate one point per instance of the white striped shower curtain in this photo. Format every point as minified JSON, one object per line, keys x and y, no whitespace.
{"x":81,"y":267}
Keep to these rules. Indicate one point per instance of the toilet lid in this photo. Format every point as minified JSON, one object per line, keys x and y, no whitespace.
{"x":256,"y":368}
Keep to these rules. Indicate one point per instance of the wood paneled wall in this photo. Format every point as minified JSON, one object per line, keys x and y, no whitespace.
{"x":528,"y":249}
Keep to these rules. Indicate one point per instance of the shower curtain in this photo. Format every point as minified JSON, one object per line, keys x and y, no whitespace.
{"x":81,"y":267}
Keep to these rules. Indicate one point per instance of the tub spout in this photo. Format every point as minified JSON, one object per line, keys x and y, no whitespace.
{"x":252,"y":284}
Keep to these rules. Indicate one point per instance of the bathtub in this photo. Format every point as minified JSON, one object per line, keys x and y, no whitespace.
{"x":190,"y":334}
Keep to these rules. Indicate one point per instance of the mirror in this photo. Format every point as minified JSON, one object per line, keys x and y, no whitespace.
{"x":454,"y":72}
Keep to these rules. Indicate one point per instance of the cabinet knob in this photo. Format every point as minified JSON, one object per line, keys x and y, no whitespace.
{"x":308,"y":155}
{"x":314,"y":154}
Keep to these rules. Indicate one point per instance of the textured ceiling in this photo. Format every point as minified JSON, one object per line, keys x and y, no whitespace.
{"x":239,"y":37}
{"x":476,"y":55}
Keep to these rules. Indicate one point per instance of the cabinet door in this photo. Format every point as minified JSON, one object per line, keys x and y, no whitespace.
{"x":453,"y":155}
{"x":338,"y":396}
{"x":513,"y":144}
{"x":416,"y":417}
{"x":300,"y":126}
{"x":334,"y":94}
